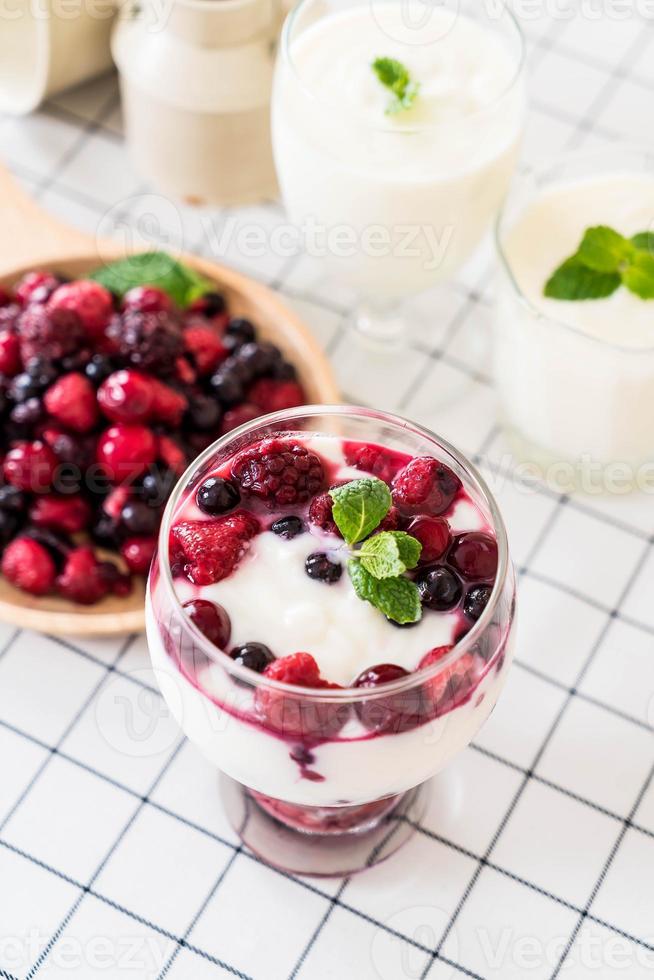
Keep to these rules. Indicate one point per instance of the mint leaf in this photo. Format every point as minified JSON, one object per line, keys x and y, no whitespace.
{"x":359,"y":506}
{"x":643,"y":240}
{"x":574,"y":281}
{"x":408,"y":546}
{"x":396,"y":77}
{"x":604,"y":249}
{"x":181,"y":283}
{"x":380,"y":555}
{"x":398,"y":598}
{"x":639,"y":275}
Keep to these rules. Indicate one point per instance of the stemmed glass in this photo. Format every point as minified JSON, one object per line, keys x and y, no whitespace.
{"x":333,"y":780}
{"x":393,"y":204}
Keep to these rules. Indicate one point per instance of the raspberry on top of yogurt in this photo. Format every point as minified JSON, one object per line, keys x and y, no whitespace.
{"x":337,"y":564}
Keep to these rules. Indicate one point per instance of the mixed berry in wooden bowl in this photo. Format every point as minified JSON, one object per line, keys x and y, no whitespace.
{"x":109,"y":386}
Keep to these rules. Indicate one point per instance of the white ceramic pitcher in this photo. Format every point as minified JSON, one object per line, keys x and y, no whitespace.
{"x":195,"y":78}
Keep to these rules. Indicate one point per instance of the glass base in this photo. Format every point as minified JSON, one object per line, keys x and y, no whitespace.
{"x":322,"y":841}
{"x":382,"y":328}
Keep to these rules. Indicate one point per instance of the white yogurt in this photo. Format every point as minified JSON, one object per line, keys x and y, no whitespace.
{"x":576,"y":379}
{"x":399,"y":200}
{"x":355,"y":768}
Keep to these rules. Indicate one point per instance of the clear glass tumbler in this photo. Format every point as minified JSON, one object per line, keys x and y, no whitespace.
{"x":330,"y":781}
{"x":574,"y":401}
{"x":393,"y":204}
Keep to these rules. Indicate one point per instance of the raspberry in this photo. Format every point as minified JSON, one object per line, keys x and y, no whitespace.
{"x":126,"y":396}
{"x":29,"y":566}
{"x":149,"y":341}
{"x":30,"y":466}
{"x":83,"y":578}
{"x":71,"y":400}
{"x":234,"y":417}
{"x":205,"y":347}
{"x":279,"y":472}
{"x":52,"y":335}
{"x":138,"y":553}
{"x":69,"y":514}
{"x":274,"y":396}
{"x":171,"y":454}
{"x":376,"y":460}
{"x":211,"y":550}
{"x":425,"y":486}
{"x":452,"y":685}
{"x":10,"y":363}
{"x":35,"y":287}
{"x":320,"y":514}
{"x":92,"y":303}
{"x":9,"y":316}
{"x":147,"y":299}
{"x":293,"y":715}
{"x":126,"y":451}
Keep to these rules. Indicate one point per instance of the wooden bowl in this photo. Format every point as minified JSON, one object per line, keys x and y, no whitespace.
{"x":33,"y":239}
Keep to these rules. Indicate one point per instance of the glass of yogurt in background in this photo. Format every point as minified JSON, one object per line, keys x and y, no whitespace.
{"x":397,"y":199}
{"x":575,"y":379}
{"x":331,"y":779}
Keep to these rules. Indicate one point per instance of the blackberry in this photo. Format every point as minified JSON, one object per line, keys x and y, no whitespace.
{"x":50,"y":334}
{"x":148,"y":341}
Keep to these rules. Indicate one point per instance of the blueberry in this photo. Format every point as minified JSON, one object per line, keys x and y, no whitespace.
{"x":59,"y":545}
{"x":217,"y":496}
{"x":476,"y":601}
{"x":204,"y":412}
{"x":227,"y":388}
{"x":319,"y":567}
{"x":256,"y":656}
{"x":283,"y":371}
{"x":242,"y":329}
{"x":156,"y":486}
{"x":12,"y":499}
{"x":28,"y":412}
{"x":138,"y":517}
{"x":8,"y":526}
{"x":440,"y":589}
{"x":259,"y":359}
{"x":105,"y":531}
{"x":213,"y":304}
{"x":98,"y":369}
{"x":288,"y":527}
{"x":24,"y":386}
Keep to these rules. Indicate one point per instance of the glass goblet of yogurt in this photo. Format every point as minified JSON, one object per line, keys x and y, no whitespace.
{"x":395,"y":134}
{"x":574,"y":365}
{"x":328,"y":695}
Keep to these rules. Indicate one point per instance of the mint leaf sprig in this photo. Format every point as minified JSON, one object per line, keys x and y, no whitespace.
{"x":182,"y":283}
{"x":396,"y":77}
{"x":604,"y":261}
{"x":377,"y":568}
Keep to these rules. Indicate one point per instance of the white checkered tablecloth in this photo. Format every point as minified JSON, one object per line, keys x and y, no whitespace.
{"x":536,"y":857}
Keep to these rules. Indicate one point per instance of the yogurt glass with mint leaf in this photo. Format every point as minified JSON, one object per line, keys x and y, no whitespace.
{"x":330,"y":618}
{"x":574,"y":325}
{"x":395,"y":134}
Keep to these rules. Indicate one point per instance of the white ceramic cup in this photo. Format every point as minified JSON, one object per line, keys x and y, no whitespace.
{"x":47,"y":46}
